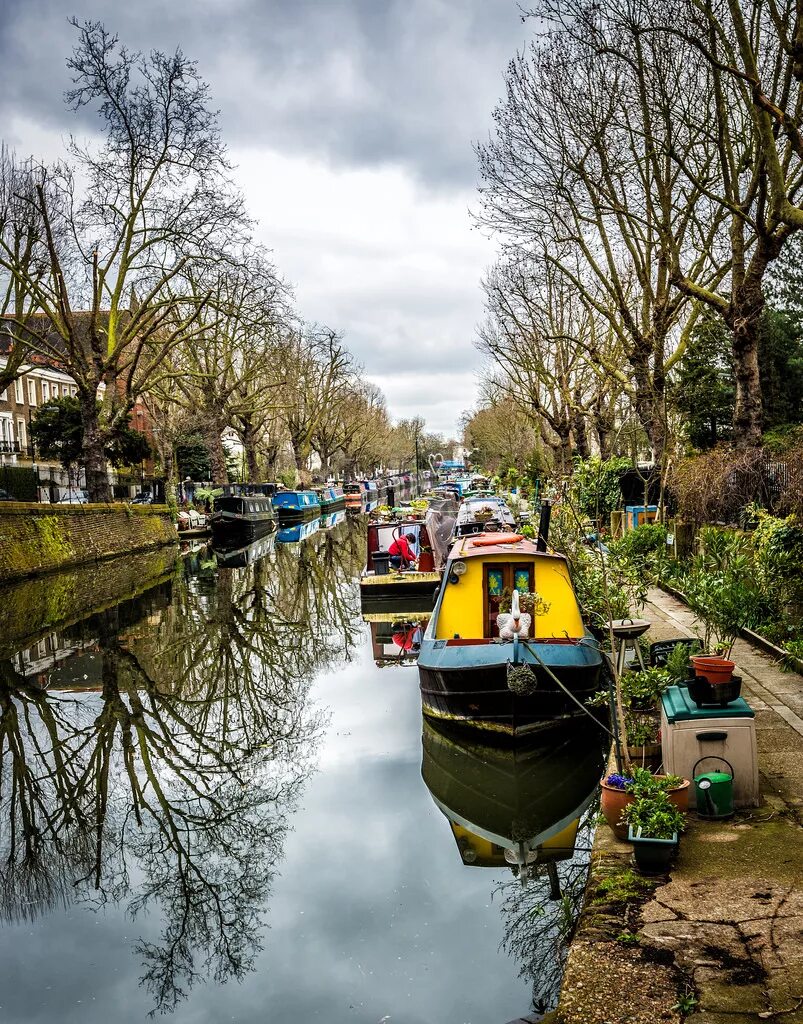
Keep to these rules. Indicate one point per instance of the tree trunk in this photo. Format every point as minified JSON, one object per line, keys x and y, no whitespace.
{"x":579,"y":431}
{"x":249,"y":439}
{"x":217,"y":453}
{"x":168,"y":455}
{"x":93,"y":450}
{"x":744,"y":319}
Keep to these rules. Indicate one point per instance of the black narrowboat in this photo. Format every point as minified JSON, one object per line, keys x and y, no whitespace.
{"x":242,"y":515}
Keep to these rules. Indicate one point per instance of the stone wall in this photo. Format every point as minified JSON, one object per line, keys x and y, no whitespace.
{"x":37,"y":539}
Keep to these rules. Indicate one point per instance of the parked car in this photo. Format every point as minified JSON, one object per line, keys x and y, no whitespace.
{"x":5,"y":496}
{"x":74,"y":498}
{"x":142,"y":498}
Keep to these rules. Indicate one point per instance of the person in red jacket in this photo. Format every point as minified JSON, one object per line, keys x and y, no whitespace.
{"x":401,"y":554}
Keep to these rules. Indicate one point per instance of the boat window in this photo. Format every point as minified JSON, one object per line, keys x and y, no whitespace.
{"x":498,"y":579}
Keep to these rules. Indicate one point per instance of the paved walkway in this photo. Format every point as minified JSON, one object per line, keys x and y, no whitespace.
{"x":720,"y":940}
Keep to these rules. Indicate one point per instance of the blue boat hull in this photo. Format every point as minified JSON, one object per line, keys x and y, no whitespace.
{"x":468,"y":684}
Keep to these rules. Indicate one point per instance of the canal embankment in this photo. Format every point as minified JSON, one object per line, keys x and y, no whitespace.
{"x":33,"y":608}
{"x":37,"y":539}
{"x":718,"y":940}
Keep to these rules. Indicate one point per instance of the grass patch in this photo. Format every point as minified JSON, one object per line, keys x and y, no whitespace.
{"x":623,"y":886}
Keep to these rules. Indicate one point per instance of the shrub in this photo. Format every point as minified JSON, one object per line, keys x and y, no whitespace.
{"x":717,"y":485}
{"x":596,"y":485}
{"x":654,"y":815}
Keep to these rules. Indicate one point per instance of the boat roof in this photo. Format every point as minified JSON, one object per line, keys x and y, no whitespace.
{"x":467,"y":547}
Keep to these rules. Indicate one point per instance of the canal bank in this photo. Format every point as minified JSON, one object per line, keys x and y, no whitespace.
{"x":718,"y":940}
{"x":36,"y":539}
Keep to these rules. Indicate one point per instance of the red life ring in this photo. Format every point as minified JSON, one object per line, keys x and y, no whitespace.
{"x":497,"y":538}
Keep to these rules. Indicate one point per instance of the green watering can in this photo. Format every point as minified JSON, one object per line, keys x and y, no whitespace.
{"x":714,"y":791}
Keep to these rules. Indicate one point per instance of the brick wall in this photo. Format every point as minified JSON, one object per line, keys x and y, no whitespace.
{"x":43,"y":538}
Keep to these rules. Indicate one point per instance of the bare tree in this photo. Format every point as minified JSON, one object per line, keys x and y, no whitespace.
{"x":157,"y":200}
{"x":571,"y":177}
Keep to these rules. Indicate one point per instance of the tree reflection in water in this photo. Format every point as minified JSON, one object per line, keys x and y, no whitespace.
{"x":171,"y":786}
{"x":537,"y":926}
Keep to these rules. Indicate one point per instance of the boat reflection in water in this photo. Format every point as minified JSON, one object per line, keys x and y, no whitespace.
{"x":331,"y":519}
{"x":231,"y":557}
{"x":298,"y":531}
{"x":519,"y":805}
{"x":395,"y":637}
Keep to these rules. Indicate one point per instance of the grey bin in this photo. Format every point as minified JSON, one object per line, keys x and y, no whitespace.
{"x":381,"y":562}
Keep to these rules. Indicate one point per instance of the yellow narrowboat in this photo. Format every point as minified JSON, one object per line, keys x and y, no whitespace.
{"x":512,"y":672}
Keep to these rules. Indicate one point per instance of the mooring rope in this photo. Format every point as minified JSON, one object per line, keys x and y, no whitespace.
{"x":568,"y":692}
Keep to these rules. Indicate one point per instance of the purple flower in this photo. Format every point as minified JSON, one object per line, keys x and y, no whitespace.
{"x":618,"y":781}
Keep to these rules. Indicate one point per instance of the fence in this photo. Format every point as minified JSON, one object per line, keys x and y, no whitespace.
{"x":20,"y":483}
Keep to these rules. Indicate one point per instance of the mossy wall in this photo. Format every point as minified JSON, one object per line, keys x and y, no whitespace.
{"x":37,"y":539}
{"x":32,"y":608}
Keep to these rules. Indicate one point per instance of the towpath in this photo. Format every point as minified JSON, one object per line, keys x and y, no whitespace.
{"x":720,"y":940}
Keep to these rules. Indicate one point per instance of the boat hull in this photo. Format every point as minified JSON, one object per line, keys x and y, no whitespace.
{"x":336,"y":505}
{"x":468,"y":684}
{"x":230,"y":524}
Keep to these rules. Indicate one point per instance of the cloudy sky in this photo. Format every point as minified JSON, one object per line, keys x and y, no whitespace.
{"x":351,"y":123}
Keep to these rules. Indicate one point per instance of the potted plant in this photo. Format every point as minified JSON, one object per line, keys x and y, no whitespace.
{"x":643,"y":738}
{"x":654,"y":824}
{"x":722,"y":592}
{"x":619,"y":791}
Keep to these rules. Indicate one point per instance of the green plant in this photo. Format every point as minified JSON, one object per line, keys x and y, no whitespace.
{"x":645,"y":540}
{"x":721,"y":588}
{"x":686,"y":1002}
{"x":596,"y":485}
{"x":643,"y":689}
{"x":642,"y":730}
{"x":677,"y":662}
{"x":529,"y":602}
{"x":628,"y":939}
{"x":654,"y":815}
{"x":623,"y":886}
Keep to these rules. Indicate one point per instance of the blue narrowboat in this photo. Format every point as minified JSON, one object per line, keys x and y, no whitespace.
{"x":296,"y":505}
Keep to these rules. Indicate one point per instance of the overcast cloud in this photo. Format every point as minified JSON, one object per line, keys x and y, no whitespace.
{"x":351,"y":122}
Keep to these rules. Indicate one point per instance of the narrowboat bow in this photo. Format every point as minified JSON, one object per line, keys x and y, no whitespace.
{"x":512,"y":673}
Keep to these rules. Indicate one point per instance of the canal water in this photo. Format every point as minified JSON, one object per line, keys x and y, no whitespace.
{"x":219,"y":801}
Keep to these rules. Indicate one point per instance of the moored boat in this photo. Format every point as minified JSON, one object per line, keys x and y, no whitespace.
{"x":292,"y":505}
{"x":378,"y":579}
{"x":361,"y":496}
{"x":242,"y":515}
{"x":355,"y":497}
{"x":331,"y":498}
{"x":498,"y":672}
{"x":475,"y":513}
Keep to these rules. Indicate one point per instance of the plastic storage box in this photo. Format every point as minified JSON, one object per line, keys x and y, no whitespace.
{"x":689,"y":733}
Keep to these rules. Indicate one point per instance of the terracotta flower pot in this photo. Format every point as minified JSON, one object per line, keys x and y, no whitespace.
{"x":713,"y":668}
{"x":613,"y":801}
